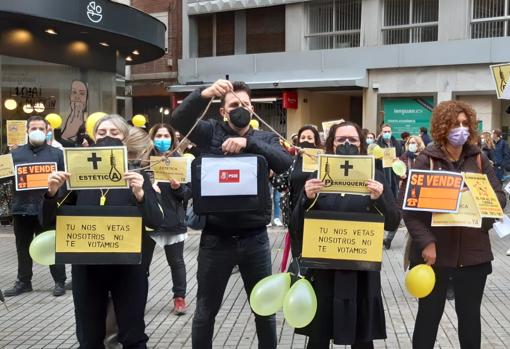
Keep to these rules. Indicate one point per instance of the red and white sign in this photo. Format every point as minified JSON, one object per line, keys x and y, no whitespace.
{"x":230,"y":176}
{"x":290,"y":100}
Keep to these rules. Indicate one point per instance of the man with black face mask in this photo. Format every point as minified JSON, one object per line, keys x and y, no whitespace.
{"x":236,"y":238}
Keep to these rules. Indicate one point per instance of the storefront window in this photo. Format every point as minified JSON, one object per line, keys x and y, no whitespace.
{"x":39,"y":88}
{"x":408,"y":114}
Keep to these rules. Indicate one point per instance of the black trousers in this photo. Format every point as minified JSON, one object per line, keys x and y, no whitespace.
{"x":25,"y":228}
{"x":128,"y":287}
{"x":468,"y":283}
{"x":175,"y":259}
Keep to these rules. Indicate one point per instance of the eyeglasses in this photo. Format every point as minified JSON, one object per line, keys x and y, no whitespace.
{"x":347,"y":139}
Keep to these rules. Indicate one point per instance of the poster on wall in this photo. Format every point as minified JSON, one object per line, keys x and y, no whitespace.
{"x":407,"y":114}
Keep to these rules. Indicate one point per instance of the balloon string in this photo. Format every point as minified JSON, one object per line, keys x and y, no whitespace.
{"x":153,"y":163}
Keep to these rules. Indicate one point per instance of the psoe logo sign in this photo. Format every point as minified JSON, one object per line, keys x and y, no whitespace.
{"x":230,"y":176}
{"x":94,"y":12}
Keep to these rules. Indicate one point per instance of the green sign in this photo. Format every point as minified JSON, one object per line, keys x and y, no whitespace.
{"x":407,"y":114}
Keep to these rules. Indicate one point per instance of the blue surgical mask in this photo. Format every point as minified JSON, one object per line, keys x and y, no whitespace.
{"x":386,"y":136}
{"x":37,"y":137}
{"x":370,"y":141}
{"x":162,"y":145}
{"x":49,"y":136}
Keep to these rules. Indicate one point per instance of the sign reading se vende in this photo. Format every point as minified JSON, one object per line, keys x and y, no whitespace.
{"x":433,"y":191}
{"x":33,"y":176}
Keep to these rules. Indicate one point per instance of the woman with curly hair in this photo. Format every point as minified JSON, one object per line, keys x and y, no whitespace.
{"x":462,"y":254}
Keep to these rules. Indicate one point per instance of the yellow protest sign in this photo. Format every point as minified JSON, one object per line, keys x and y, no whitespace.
{"x":98,"y":235}
{"x":336,"y":240}
{"x":468,"y":215}
{"x":6,"y":166}
{"x":501,"y":76}
{"x":96,"y":167}
{"x":16,"y":132}
{"x":164,"y":169}
{"x":311,"y":159}
{"x":346,"y":174}
{"x":389,"y":155}
{"x":326,"y":125}
{"x":483,"y":194}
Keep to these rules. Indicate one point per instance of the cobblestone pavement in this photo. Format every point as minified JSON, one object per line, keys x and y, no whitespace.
{"x":38,"y":320}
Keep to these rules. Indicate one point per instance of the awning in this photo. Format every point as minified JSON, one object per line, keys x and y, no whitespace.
{"x":80,"y":33}
{"x":355,"y":82}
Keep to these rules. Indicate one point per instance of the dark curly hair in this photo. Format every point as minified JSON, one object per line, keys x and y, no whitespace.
{"x":316,"y":136}
{"x":330,"y":148}
{"x":444,"y":118}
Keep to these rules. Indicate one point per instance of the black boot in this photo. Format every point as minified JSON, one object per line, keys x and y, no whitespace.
{"x":59,"y":289}
{"x":18,"y":288}
{"x":388,"y":239}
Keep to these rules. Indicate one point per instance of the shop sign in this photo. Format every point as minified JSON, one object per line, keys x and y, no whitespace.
{"x":407,"y":114}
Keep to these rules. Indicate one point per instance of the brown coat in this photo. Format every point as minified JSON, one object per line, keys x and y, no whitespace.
{"x":455,"y":246}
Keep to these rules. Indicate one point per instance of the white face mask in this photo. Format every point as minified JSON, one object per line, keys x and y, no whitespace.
{"x":413,"y":147}
{"x":37,"y":137}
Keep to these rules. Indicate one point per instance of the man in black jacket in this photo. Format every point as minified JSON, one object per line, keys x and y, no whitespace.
{"x":233,"y":238}
{"x":26,"y":204}
{"x":386,"y":140}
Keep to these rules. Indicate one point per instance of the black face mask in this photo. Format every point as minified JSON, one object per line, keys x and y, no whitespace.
{"x":347,"y":149}
{"x":240,"y":117}
{"x":109,"y":142}
{"x":306,"y":145}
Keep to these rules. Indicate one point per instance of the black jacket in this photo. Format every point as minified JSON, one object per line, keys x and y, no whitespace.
{"x":28,"y":202}
{"x":209,"y":136}
{"x":174,"y":221}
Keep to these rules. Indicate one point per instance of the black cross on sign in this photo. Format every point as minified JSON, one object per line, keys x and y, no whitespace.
{"x":94,"y":159}
{"x":346,"y":168}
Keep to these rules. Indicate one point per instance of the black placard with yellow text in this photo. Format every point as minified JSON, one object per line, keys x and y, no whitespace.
{"x":98,"y":235}
{"x":342,"y":241}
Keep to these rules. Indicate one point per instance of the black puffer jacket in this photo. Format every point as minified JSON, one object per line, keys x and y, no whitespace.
{"x":28,"y":202}
{"x":209,"y":136}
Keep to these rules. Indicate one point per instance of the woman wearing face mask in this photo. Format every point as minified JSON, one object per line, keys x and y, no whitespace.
{"x":50,"y":139}
{"x":292,"y":181}
{"x":349,"y":303}
{"x":371,"y":138}
{"x":127,"y":284}
{"x":461,"y":254}
{"x":413,"y":147}
{"x":173,"y":232}
{"x":487,"y":146}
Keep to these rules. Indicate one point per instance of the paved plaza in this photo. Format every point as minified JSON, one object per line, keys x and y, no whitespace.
{"x":38,"y":320}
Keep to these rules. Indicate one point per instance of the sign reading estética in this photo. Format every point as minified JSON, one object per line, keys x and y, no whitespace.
{"x":177,"y":168}
{"x":333,"y":240}
{"x":98,"y":235}
{"x":96,"y":167}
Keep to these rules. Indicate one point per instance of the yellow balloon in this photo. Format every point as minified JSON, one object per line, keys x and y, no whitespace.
{"x":399,"y":167}
{"x":54,"y":120}
{"x":138,"y":120}
{"x":267,"y":296}
{"x":420,"y":280}
{"x":189,"y":155}
{"x":300,"y":304}
{"x":377,"y":152}
{"x":91,"y":122}
{"x":42,"y":248}
{"x":254,"y":124}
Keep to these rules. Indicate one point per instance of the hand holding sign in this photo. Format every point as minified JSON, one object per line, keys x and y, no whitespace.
{"x":135,"y":182}
{"x":312,"y":187}
{"x":56,"y":180}
{"x":376,"y":189}
{"x":233,"y":145}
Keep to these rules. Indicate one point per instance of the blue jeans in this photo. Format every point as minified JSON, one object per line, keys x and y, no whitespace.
{"x":276,"y":204}
{"x":217,"y":257}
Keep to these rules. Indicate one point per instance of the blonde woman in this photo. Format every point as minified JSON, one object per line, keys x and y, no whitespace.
{"x":413,"y":147}
{"x":487,"y":145}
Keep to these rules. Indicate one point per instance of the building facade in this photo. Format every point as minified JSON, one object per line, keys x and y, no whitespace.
{"x":368,"y":61}
{"x":147,"y":82}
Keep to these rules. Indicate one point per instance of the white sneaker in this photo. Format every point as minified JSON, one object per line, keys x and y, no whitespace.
{"x":278,"y":222}
{"x":508,"y":252}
